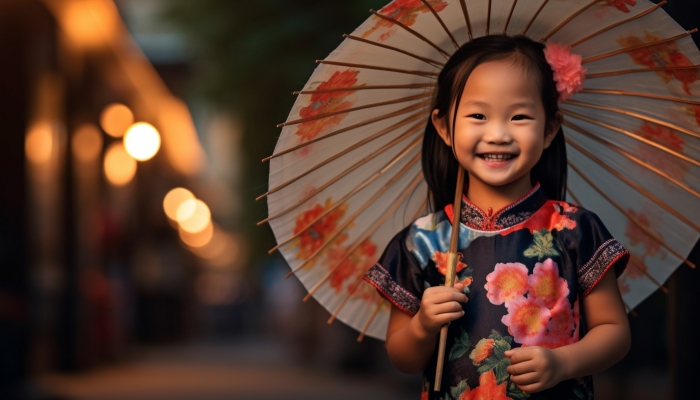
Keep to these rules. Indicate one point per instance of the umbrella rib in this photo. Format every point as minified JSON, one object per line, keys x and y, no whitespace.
{"x":349,"y":128}
{"x":352,"y":193}
{"x":534,"y":17}
{"x":488,"y":19}
{"x":351,"y":219}
{"x":635,"y":186}
{"x":345,"y":151}
{"x":411,"y":31}
{"x":466,"y":18}
{"x":566,"y":21}
{"x":639,"y":162}
{"x":367,"y":87}
{"x":510,"y":14}
{"x":630,"y":217}
{"x":633,"y":136}
{"x":424,"y":74}
{"x":640,"y":94}
{"x":352,"y":288}
{"x":365,"y":235}
{"x":370,"y":319}
{"x":615,"y":25}
{"x":641,"y":267}
{"x":349,"y":110}
{"x":442,"y":23}
{"x":432,"y":63}
{"x":637,"y":47}
{"x":639,"y":70}
{"x":635,"y":115}
{"x":632,"y":257}
{"x":629,"y":309}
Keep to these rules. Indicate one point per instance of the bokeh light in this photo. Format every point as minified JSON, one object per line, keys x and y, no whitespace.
{"x":193,"y":216}
{"x":142,"y":141}
{"x":116,"y":119}
{"x":174,"y":199}
{"x":38,"y":144}
{"x":198,"y":239}
{"x":88,"y":24}
{"x":119,"y":167}
{"x":87,"y":143}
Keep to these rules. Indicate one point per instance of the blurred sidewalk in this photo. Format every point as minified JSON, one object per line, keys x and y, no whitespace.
{"x":249,"y":369}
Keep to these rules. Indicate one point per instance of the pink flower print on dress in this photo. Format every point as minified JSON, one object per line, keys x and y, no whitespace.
{"x":526,"y":320}
{"x":561,"y":326}
{"x":506,"y":282}
{"x":545,"y":285}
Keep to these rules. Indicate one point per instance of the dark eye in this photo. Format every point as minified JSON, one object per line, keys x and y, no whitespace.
{"x":520,"y":117}
{"x":478,"y":116}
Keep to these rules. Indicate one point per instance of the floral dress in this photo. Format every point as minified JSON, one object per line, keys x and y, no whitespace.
{"x":525,"y":268}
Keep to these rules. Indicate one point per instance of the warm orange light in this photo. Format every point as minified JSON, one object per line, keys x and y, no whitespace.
{"x":193,"y":216}
{"x":89,"y":23}
{"x":142,"y":141}
{"x":174,"y":199}
{"x":38,"y":144}
{"x":116,"y":119}
{"x":199,"y":239}
{"x":87,"y":143}
{"x":119,"y":167}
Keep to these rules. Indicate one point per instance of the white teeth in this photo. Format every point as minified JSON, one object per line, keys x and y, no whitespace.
{"x":497,"y":157}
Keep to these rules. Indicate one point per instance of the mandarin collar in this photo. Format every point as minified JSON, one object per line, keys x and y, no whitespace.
{"x":514,"y":213}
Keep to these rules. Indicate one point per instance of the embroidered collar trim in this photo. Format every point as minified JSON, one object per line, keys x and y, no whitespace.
{"x":514,"y":213}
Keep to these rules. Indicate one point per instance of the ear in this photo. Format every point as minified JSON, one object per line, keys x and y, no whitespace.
{"x":552,"y":129}
{"x":441,"y":128}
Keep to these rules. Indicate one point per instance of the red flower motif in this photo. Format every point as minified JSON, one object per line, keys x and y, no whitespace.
{"x":322,"y":103}
{"x":526,"y":320}
{"x":506,"y":282}
{"x":662,"y":135}
{"x":547,"y":217}
{"x":662,"y":55}
{"x":622,"y":4}
{"x":440,"y":260}
{"x":482,"y":351}
{"x":362,"y":256}
{"x":404,"y":11}
{"x":637,"y":236}
{"x":545,"y":285}
{"x":314,"y":236}
{"x":488,"y":389}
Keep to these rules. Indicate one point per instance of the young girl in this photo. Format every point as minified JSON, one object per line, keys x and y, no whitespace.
{"x":543,"y":313}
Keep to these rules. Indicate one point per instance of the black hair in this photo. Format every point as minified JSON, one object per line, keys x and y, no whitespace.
{"x":438,"y":161}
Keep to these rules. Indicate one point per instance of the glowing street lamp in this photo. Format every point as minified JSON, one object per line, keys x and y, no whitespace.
{"x":142,"y":141}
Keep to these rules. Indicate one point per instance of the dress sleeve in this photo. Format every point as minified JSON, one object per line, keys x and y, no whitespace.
{"x":597,"y":252}
{"x":398,"y":276}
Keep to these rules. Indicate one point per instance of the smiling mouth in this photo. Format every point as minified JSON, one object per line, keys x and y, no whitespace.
{"x":496,"y":157}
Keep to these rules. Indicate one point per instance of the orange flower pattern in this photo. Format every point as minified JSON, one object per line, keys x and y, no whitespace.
{"x":482,"y":351}
{"x":662,"y":160}
{"x":622,"y":5}
{"x":488,"y":389}
{"x":315,"y":227}
{"x":404,"y":11}
{"x":328,"y":102}
{"x":662,"y":55}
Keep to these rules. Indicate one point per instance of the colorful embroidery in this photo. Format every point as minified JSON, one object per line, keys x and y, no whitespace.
{"x":607,"y":254}
{"x":662,"y":55}
{"x":380,"y":278}
{"x":542,"y":245}
{"x":328,"y":102}
{"x":403,"y":11}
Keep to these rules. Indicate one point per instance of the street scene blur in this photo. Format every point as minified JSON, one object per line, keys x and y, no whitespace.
{"x":131,"y":262}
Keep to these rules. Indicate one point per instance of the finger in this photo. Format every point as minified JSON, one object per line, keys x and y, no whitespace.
{"x":448,"y":307}
{"x":445,"y":297}
{"x":442,"y":319}
{"x":525,"y":379}
{"x":531,"y":388}
{"x":521,"y":368}
{"x":518,"y":355}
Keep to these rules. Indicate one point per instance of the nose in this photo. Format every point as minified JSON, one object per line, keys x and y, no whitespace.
{"x":497,"y":133}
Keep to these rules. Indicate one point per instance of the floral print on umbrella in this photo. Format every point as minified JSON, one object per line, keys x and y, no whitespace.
{"x":622,"y":5}
{"x":328,"y":102}
{"x":312,"y":238}
{"x":662,"y":55}
{"x":404,"y":11}
{"x":666,"y":137}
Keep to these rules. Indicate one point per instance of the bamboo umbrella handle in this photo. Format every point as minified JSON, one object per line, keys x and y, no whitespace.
{"x":451,"y":267}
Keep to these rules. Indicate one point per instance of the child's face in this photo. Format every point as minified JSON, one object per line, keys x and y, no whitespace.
{"x":500,"y":126}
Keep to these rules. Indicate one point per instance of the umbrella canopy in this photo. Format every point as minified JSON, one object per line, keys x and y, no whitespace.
{"x":345,"y":175}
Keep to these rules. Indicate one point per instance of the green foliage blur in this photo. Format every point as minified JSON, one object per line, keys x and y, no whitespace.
{"x":248,"y":56}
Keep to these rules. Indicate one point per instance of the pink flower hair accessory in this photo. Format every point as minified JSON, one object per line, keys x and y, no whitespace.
{"x":568,"y":72}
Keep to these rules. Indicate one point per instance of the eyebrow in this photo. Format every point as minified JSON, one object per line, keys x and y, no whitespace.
{"x":523,"y":104}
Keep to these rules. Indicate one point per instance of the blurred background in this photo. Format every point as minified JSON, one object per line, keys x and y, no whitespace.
{"x":131,"y":266}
